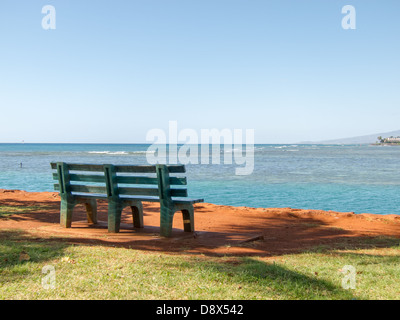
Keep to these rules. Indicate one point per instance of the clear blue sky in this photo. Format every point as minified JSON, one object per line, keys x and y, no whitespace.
{"x":112,"y":70}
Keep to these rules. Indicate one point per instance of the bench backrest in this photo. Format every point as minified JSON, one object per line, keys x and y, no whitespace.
{"x":115,"y":181}
{"x":79,"y":178}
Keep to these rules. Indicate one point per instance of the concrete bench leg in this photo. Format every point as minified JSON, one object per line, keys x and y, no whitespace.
{"x":66,"y":210}
{"x":114,"y":217}
{"x":166,"y":219}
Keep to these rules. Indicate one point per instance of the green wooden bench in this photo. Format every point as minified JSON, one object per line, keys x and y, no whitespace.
{"x":123,"y":186}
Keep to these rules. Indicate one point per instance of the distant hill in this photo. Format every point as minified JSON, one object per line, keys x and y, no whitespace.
{"x":372,"y":138}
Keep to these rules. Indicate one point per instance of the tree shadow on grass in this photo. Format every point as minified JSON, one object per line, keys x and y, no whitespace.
{"x":295,"y":285}
{"x":316,"y":275}
{"x":268,"y":279}
{"x":274,"y":281}
{"x":18,"y":247}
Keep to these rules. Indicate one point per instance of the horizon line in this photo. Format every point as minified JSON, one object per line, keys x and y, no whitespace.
{"x":147,"y":143}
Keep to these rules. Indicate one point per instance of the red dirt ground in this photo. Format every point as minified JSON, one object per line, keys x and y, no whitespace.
{"x":220,"y":230}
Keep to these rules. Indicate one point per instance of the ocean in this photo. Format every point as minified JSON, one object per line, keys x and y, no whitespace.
{"x":346,"y":178}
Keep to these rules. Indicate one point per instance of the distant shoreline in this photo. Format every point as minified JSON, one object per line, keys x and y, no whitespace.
{"x":385,"y":144}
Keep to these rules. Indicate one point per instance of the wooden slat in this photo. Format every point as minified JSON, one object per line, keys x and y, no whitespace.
{"x":81,"y":167}
{"x":95,"y":194}
{"x":83,"y":177}
{"x":178,"y":181}
{"x":85,"y":167}
{"x":138,"y":191}
{"x":135,"y":169}
{"x":125,"y":191}
{"x":87,"y":178}
{"x":88,"y":189}
{"x":140,"y":198}
{"x":136,"y":180}
{"x":179,"y":193}
{"x":148,"y":169}
{"x":179,"y":168}
{"x":149,"y":180}
{"x":150,"y":192}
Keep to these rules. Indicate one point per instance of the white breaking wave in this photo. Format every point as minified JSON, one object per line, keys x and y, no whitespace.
{"x":108,"y":152}
{"x":120,"y":152}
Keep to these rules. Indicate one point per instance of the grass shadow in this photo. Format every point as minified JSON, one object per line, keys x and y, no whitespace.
{"x":18,"y":247}
{"x":314,"y":275}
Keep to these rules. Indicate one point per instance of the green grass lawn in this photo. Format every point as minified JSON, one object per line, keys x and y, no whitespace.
{"x":99,"y":272}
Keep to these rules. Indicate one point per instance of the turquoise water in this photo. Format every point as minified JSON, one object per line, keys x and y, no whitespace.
{"x":341,"y":178}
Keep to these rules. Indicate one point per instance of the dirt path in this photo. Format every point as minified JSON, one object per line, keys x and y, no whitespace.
{"x":220,"y":230}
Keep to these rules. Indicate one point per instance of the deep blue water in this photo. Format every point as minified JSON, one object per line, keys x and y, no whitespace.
{"x":341,"y":178}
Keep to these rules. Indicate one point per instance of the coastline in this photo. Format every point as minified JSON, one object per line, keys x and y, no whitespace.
{"x":219,"y":229}
{"x":386,"y":144}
